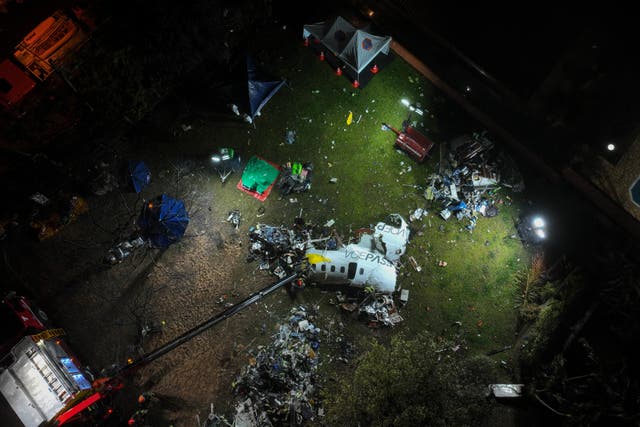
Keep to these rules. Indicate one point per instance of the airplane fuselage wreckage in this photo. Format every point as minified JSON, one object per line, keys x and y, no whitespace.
{"x":370,"y":262}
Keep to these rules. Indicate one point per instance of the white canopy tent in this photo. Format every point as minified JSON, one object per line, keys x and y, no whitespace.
{"x":363,"y":48}
{"x":354,"y":48}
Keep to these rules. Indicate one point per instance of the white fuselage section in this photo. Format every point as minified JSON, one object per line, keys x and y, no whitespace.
{"x":356,"y":266}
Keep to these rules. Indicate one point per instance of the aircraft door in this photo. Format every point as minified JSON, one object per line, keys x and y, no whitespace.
{"x":351,"y":273}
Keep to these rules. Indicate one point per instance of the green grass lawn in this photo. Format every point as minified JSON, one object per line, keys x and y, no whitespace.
{"x":476,"y":287}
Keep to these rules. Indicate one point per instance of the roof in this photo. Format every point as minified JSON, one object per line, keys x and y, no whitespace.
{"x":356,"y":48}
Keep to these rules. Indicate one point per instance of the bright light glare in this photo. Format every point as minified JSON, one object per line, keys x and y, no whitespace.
{"x":540,"y":233}
{"x":611,"y":147}
{"x":215,"y":159}
{"x":538,"y":222}
{"x":405,"y":102}
{"x":412,"y":108}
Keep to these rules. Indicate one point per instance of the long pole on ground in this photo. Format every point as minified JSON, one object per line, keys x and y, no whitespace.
{"x":161,"y":351}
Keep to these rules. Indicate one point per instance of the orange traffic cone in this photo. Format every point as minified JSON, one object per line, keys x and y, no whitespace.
{"x":374,"y":69}
{"x":356,"y":84}
{"x":306,"y":41}
{"x":338,"y":71}
{"x":322,"y":55}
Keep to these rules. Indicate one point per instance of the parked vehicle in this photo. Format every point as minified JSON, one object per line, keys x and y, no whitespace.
{"x":49,"y":43}
{"x":19,"y":317}
{"x":39,"y":375}
{"x":42,"y":377}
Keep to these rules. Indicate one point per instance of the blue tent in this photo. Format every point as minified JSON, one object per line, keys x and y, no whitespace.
{"x":261,"y":87}
{"x":140,"y":175}
{"x":163,"y":221}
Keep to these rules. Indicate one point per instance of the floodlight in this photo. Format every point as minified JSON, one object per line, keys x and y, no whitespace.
{"x":405,"y":102}
{"x":412,"y":108}
{"x":611,"y":147}
{"x":538,"y":222}
{"x":215,"y":159}
{"x":540,"y":233}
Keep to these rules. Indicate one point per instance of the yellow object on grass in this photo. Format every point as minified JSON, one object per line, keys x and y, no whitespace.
{"x":349,"y":118}
{"x":316,"y":258}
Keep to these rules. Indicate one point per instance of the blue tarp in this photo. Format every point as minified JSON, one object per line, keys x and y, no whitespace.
{"x":163,"y":221}
{"x":261,"y":88}
{"x":454,"y":207}
{"x":634,"y":191}
{"x":140,"y":175}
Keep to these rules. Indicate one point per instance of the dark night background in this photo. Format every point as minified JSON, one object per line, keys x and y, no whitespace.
{"x":562,"y":79}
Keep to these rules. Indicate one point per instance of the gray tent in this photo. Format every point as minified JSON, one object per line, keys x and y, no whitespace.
{"x":354,"y":48}
{"x":337,"y":29}
{"x":362,"y":49}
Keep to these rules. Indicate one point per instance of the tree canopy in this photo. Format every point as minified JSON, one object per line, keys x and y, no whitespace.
{"x":419,"y":381}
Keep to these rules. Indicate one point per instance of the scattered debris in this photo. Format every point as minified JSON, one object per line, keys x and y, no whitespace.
{"x":350,"y":306}
{"x":234,"y":218}
{"x":381,"y":311}
{"x":469,"y":180}
{"x":404,"y":296}
{"x":414,"y":264}
{"x":123,"y":250}
{"x":417,"y":214}
{"x":49,"y":219}
{"x":290,"y":137}
{"x":508,"y":391}
{"x":278,"y":386}
{"x":295,"y":178}
{"x":279,"y":248}
{"x":225,"y":162}
{"x":40,"y":199}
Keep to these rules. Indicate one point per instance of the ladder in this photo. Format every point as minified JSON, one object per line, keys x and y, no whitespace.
{"x":48,"y":375}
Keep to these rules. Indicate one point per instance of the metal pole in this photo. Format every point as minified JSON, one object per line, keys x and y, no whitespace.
{"x":208,"y":324}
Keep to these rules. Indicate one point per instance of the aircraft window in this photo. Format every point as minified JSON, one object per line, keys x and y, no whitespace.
{"x":333,"y":268}
{"x":323,"y":267}
{"x":342,"y":269}
{"x":362,"y":271}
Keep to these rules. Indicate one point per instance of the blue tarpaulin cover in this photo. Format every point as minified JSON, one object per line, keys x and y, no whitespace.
{"x":457,"y":206}
{"x":261,"y":88}
{"x":163,"y":221}
{"x":140,"y":175}
{"x":635,"y":192}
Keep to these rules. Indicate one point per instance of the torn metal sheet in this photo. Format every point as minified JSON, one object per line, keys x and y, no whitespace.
{"x":505,"y":390}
